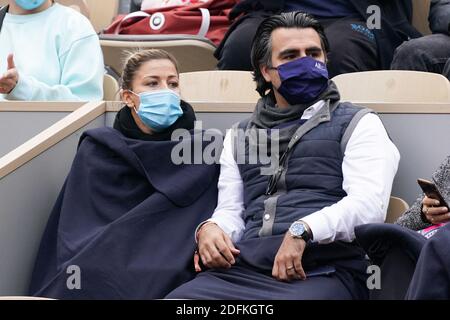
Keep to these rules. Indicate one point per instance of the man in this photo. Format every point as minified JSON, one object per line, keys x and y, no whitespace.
{"x":429,"y":53}
{"x":289,"y":235}
{"x":355,"y":45}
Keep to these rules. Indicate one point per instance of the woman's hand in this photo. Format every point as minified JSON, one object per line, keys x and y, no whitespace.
{"x":433,"y":212}
{"x":215,"y":248}
{"x":8,"y":81}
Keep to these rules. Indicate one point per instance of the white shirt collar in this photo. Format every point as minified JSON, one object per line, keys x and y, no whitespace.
{"x":312,"y":110}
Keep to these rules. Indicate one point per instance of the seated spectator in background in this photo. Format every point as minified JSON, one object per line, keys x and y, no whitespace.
{"x":429,"y":53}
{"x":127,"y":213}
{"x":413,"y":267}
{"x":290,"y":235}
{"x":49,"y":52}
{"x":354,"y":47}
{"x":426,"y":212}
{"x":431,"y":279}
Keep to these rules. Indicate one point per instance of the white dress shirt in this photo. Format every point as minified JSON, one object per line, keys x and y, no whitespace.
{"x":369,"y":167}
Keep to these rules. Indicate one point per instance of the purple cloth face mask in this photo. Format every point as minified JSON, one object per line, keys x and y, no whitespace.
{"x":302,"y":80}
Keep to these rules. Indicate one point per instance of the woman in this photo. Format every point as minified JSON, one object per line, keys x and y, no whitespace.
{"x":127,"y":213}
{"x":413,"y":253}
{"x":431,"y":277}
{"x":49,"y":52}
{"x":151,"y":92}
{"x":426,"y":212}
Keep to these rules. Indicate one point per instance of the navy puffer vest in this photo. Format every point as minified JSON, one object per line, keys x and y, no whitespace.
{"x":312,"y":177}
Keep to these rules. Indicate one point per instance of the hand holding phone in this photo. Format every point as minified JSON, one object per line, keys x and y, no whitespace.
{"x":433,"y":212}
{"x":431,"y":191}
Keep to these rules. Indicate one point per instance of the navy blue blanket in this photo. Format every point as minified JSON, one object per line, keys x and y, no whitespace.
{"x":378,"y":239}
{"x":126,"y":218}
{"x":431,"y":280}
{"x":395,"y":250}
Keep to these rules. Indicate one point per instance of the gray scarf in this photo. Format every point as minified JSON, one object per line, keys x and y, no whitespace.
{"x":267,"y":115}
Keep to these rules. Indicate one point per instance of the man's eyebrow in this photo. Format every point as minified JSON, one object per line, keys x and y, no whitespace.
{"x":288,"y":52}
{"x":313,"y":50}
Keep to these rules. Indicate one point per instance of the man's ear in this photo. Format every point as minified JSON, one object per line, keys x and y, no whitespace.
{"x":265,"y":73}
{"x":327,"y":58}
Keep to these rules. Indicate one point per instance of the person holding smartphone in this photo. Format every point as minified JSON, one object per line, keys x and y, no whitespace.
{"x":431,"y":277}
{"x":413,"y":253}
{"x":427,"y":211}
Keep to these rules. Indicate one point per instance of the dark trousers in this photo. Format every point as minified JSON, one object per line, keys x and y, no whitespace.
{"x":430,"y":54}
{"x":397,"y":271}
{"x":447,"y":69}
{"x":353,"y":45}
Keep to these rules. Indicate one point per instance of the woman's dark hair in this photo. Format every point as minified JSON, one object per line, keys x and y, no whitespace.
{"x":135,"y":60}
{"x":261,"y":54}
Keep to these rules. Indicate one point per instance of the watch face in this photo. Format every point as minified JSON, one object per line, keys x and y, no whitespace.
{"x":297,"y":229}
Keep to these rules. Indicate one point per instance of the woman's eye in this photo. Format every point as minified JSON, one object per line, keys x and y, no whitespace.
{"x":152,"y":84}
{"x":173,"y":85}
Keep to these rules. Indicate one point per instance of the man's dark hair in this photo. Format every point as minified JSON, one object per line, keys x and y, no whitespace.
{"x":261,"y":53}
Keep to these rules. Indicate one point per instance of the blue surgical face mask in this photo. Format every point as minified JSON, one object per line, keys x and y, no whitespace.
{"x":159,"y":109}
{"x":302,"y":80}
{"x":30,"y":4}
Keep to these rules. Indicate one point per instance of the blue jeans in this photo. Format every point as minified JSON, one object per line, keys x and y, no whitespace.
{"x":429,"y":53}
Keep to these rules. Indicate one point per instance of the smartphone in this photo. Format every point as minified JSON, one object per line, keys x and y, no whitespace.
{"x":431,"y":191}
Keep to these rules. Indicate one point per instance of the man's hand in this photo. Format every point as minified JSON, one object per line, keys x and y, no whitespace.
{"x":8,"y":81}
{"x":215,"y":248}
{"x":288,"y":261}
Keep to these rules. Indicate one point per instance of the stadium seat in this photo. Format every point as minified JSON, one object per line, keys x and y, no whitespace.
{"x":192,"y":52}
{"x":79,"y":5}
{"x":110,"y":88}
{"x":397,"y":207}
{"x":218,"y":86}
{"x":101,"y":15}
{"x":393,"y":86}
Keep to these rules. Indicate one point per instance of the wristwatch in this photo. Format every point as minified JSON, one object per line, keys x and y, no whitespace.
{"x":299,"y":230}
